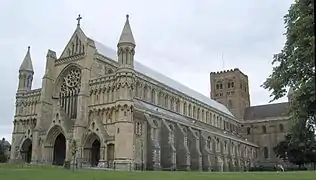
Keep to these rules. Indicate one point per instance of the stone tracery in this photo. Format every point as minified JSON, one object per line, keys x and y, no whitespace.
{"x":69,"y":91}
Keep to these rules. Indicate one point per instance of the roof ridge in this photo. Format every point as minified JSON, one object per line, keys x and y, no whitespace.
{"x":147,"y":71}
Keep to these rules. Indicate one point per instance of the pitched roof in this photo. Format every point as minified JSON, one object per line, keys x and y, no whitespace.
{"x":27,"y":62}
{"x":266,"y":111}
{"x":111,"y":54}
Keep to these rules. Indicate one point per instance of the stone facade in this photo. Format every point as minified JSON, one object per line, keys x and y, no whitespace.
{"x":121,"y":114}
{"x":264,"y":125}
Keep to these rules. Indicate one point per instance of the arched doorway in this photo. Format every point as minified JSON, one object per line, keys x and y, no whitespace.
{"x":26,"y":151}
{"x":92,"y":150}
{"x":59,"y":150}
{"x":95,"y":153}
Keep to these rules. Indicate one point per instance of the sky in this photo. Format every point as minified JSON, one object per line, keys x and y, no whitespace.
{"x":183,"y":39}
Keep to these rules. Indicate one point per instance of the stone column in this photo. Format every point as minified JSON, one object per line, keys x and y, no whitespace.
{"x":35,"y":147}
{"x":103,"y":153}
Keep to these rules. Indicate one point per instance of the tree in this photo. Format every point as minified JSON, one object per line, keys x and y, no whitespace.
{"x":295,"y":64}
{"x":294,"y":67}
{"x":4,"y":148}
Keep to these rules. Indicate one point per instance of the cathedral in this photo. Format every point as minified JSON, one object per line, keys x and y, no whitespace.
{"x":124,"y":115}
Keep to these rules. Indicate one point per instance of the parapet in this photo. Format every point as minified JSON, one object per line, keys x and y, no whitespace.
{"x":226,"y":71}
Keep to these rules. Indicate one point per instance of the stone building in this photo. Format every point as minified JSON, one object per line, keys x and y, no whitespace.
{"x":124,"y":114}
{"x":265,"y":125}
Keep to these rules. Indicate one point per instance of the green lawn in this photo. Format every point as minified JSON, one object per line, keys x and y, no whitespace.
{"x":16,"y":173}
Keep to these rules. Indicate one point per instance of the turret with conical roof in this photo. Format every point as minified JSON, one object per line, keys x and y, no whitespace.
{"x":126,"y":46}
{"x":26,"y":73}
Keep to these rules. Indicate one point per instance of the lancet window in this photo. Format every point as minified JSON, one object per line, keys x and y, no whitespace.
{"x":69,"y":91}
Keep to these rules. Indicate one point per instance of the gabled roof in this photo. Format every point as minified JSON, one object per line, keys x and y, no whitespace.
{"x":266,"y":111}
{"x":27,"y":62}
{"x":111,"y":54}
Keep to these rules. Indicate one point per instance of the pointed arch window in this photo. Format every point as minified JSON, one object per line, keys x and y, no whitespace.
{"x":69,"y":91}
{"x":185,"y":108}
{"x":153,"y":96}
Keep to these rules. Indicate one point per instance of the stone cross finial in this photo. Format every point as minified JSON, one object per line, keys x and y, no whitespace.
{"x":78,"y":19}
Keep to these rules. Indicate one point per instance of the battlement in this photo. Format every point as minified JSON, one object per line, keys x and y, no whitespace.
{"x":228,"y":71}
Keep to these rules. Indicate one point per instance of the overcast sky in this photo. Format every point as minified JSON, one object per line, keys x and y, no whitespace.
{"x":184,"y":39}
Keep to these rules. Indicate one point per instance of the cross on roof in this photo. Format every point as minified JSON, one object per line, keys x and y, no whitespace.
{"x":78,"y":19}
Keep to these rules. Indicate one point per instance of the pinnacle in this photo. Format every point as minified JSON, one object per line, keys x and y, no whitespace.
{"x":127,"y":35}
{"x":27,"y":62}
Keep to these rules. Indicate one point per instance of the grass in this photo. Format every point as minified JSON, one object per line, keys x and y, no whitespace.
{"x":49,"y":173}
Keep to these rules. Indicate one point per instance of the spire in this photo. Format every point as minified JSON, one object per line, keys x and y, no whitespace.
{"x":127,"y":35}
{"x":27,"y":62}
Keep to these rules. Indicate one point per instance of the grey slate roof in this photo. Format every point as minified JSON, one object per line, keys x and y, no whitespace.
{"x":111,"y":54}
{"x":27,"y":62}
{"x":266,"y":111}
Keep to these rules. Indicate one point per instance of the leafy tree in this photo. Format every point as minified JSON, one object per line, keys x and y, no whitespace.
{"x":294,"y":67}
{"x":295,"y":64}
{"x":3,"y":148}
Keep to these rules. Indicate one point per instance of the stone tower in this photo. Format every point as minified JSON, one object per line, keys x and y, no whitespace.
{"x":231,"y":88}
{"x":125,"y":80}
{"x":26,"y":73}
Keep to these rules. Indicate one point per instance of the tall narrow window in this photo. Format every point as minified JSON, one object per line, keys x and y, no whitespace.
{"x":185,"y":108}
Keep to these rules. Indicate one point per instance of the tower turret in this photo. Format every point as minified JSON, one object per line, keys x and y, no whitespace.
{"x":26,"y":73}
{"x":126,"y":47}
{"x":125,"y":80}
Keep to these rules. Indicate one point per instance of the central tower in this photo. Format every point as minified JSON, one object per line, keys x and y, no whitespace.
{"x":125,"y":80}
{"x":231,"y":88}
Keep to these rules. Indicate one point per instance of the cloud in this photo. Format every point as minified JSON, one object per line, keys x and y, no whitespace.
{"x":182,"y":39}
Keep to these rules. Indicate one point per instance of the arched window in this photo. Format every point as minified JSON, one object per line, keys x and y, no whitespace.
{"x":217,"y":86}
{"x":185,"y":108}
{"x":153,"y":96}
{"x":69,"y":91}
{"x":232,"y":84}
{"x":203,"y":116}
{"x":281,"y":127}
{"x":248,"y":130}
{"x":265,"y":152}
{"x":209,"y":143}
{"x":166,"y":101}
{"x":221,"y":86}
{"x":178,"y":105}
{"x":264,"y":129}
{"x":145,"y":94}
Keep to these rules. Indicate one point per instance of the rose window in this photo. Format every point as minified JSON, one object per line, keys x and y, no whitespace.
{"x":73,"y":78}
